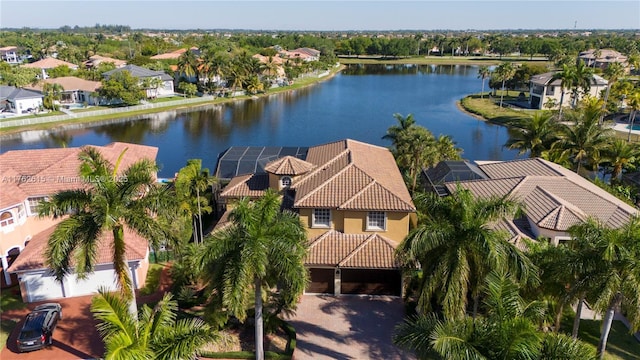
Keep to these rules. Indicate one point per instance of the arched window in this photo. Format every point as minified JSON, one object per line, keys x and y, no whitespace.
{"x":285,"y":181}
{"x":6,"y":218}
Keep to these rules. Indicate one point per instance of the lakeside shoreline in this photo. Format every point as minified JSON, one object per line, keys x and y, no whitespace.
{"x":81,"y":121}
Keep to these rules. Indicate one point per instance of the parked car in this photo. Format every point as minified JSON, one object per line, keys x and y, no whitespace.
{"x":37,"y":331}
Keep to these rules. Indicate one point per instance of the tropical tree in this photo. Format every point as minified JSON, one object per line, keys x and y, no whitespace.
{"x":455,"y":247}
{"x":483,"y":73}
{"x":620,"y":155}
{"x":507,"y":330}
{"x":504,"y":72}
{"x":188,"y":65}
{"x":52,"y":92}
{"x":262,"y":248}
{"x":122,"y":86}
{"x":155,"y":334}
{"x":396,"y":131}
{"x":415,"y":149}
{"x":446,"y":149}
{"x":188,"y":89}
{"x":534,"y":135}
{"x":612,"y":73}
{"x":582,"y":78}
{"x":114,"y":200}
{"x":193,"y":185}
{"x":613,"y":279}
{"x":634,"y":102}
{"x":567,"y":81}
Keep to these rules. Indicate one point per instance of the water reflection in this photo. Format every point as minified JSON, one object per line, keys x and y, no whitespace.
{"x":406,"y":69}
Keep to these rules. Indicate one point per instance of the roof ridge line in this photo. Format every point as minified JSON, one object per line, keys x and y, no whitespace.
{"x":320,"y":238}
{"x":358,"y":193}
{"x":324,"y":183}
{"x":322,"y":166}
{"x":367,"y":240}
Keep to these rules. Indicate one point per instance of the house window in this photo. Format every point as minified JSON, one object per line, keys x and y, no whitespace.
{"x":321,"y":218}
{"x":6,"y":218}
{"x":285,"y":182}
{"x":21,"y":213}
{"x":550,"y":90}
{"x":376,"y":220}
{"x":33,"y":204}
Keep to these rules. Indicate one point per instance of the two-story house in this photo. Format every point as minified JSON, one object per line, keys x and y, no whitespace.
{"x":28,"y":177}
{"x":352,"y":200}
{"x":545,"y":90}
{"x":166,"y":89}
{"x":9,"y":54}
{"x":553,"y":198}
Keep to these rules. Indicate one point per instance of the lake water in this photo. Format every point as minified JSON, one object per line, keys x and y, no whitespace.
{"x":358,"y":103}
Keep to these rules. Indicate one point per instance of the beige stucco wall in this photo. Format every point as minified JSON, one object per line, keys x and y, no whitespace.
{"x":355,"y":222}
{"x":21,"y":233}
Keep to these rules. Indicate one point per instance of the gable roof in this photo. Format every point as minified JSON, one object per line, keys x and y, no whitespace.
{"x":249,"y":185}
{"x":33,"y":255}
{"x":554,"y":197}
{"x":138,"y":72}
{"x":175,"y":54}
{"x":70,"y":83}
{"x":49,"y":63}
{"x":288,"y":165}
{"x":547,"y":79}
{"x":95,"y":60}
{"x":337,"y":249}
{"x":13,"y":93}
{"x":352,"y":175}
{"x":51,"y":170}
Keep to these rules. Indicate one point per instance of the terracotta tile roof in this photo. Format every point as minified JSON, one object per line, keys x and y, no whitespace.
{"x":370,"y":251}
{"x":288,"y":165}
{"x":70,"y":83}
{"x":46,"y":171}
{"x":97,"y":59}
{"x":554,"y":201}
{"x":50,"y":63}
{"x":353,"y":175}
{"x":250,"y":185}
{"x":173,"y":55}
{"x":33,"y":255}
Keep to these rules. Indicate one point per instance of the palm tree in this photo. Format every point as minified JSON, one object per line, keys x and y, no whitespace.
{"x":111,"y":202}
{"x":395,"y":131}
{"x":534,"y":135}
{"x":507,"y":331}
{"x":612,"y":73}
{"x":634,"y":102}
{"x":614,"y":277}
{"x":567,"y":81}
{"x":188,"y":64}
{"x":455,"y":248}
{"x":191,"y":182}
{"x":446,"y":149}
{"x":483,"y":73}
{"x":52,"y":92}
{"x":621,"y":155}
{"x":414,"y":150}
{"x":504,"y":71}
{"x":156,"y":334}
{"x":261,"y":249}
{"x":583,"y":76}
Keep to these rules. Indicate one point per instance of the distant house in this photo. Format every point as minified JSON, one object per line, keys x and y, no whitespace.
{"x":543,"y":88}
{"x":553,"y":197}
{"x":49,"y":63}
{"x":277,"y":60}
{"x":96,"y":60}
{"x":306,"y":54}
{"x":76,"y":90}
{"x":9,"y":54}
{"x":351,"y":199}
{"x":30,"y":176}
{"x":19,"y":100}
{"x":603,"y":58}
{"x":143,"y":73}
{"x":174,"y":55}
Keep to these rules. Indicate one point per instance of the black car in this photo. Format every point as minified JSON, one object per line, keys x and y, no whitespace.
{"x":37,"y":331}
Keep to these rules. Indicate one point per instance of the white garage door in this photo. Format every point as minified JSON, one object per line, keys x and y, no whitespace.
{"x":42,"y":287}
{"x":90,"y":285}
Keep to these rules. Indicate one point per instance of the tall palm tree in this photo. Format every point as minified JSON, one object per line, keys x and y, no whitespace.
{"x":483,"y":73}
{"x":583,"y":77}
{"x":113,"y":200}
{"x":395,"y":131}
{"x":455,"y":248}
{"x":261,"y":249}
{"x":567,"y":81}
{"x":634,"y":102}
{"x":52,"y":92}
{"x":507,"y":331}
{"x":156,"y":334}
{"x":614,"y":277}
{"x":446,"y":149}
{"x":505,"y":71}
{"x":188,"y":64}
{"x":192,"y":184}
{"x":535,"y":135}
{"x":415,"y":149}
{"x":612,"y":73}
{"x":621,"y":155}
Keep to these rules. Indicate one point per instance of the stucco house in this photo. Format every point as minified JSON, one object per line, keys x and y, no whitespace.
{"x":553,"y":197}
{"x":306,"y":54}
{"x":49,"y":63}
{"x":9,"y":54}
{"x":143,"y":73}
{"x":24,"y":236}
{"x":96,"y":60}
{"x":18,"y":100}
{"x":544,"y":89}
{"x":353,"y":202}
{"x":603,"y":58}
{"x":76,"y":90}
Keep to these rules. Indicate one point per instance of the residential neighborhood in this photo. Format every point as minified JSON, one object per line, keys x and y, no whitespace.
{"x":338,"y":194}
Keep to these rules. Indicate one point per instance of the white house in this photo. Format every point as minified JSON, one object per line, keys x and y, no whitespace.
{"x":143,"y":73}
{"x":18,"y":100}
{"x":76,"y":90}
{"x":9,"y":54}
{"x":544,"y":89}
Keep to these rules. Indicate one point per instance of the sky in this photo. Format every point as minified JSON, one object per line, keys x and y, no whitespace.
{"x":325,"y":15}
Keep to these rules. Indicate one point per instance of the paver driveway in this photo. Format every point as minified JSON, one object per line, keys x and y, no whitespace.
{"x":347,"y":327}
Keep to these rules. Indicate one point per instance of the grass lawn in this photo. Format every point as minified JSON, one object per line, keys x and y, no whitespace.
{"x":488,"y":110}
{"x":620,"y":346}
{"x":9,"y":301}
